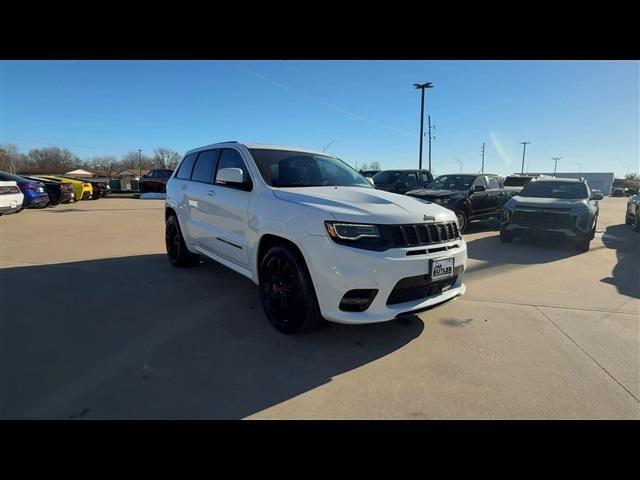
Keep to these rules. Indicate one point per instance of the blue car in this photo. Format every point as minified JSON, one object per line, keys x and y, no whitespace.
{"x":35,"y":195}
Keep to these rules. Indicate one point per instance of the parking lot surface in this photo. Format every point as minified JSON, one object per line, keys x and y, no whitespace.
{"x":96,"y":324}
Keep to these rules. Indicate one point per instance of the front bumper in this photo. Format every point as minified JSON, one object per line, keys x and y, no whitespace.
{"x":572,"y":226}
{"x":336,"y":269}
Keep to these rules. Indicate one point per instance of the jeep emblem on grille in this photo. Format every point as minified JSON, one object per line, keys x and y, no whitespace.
{"x":428,"y":218}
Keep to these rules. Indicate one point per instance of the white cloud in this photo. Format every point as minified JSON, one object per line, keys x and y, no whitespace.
{"x":506,"y":158}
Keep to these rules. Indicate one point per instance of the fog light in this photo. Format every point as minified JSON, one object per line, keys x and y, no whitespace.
{"x":357,"y":300}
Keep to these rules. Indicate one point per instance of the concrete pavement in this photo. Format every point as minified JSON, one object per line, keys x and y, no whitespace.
{"x":95,"y":323}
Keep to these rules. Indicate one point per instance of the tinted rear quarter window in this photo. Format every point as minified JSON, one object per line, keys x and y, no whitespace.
{"x":184,"y":171}
{"x":205,"y":166}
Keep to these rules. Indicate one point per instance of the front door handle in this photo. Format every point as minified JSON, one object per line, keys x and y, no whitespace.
{"x":183,"y":187}
{"x":211,"y":193}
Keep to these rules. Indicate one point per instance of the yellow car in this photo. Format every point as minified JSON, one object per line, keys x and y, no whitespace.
{"x":83,"y":190}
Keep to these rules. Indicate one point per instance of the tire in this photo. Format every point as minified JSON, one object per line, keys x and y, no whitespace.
{"x":463,"y":220}
{"x":636,"y":222}
{"x":288,"y":297}
{"x":505,"y":236}
{"x":583,"y":245}
{"x":177,"y":252}
{"x":627,"y":220}
{"x":163,"y":189}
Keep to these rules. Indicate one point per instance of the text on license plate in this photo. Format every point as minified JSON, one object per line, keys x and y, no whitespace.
{"x":441,"y":268}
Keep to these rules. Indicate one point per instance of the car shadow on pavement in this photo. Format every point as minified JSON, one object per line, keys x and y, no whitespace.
{"x":135,"y":338}
{"x":485,"y":225}
{"x":626,"y":273}
{"x":493,"y":252}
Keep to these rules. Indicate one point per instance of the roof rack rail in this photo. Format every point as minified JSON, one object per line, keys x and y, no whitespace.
{"x":230,"y":141}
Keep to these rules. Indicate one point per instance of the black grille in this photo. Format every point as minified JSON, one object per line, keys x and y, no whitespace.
{"x":421,"y":286}
{"x":423,"y":234}
{"x":407,"y":294}
{"x":542,"y":218}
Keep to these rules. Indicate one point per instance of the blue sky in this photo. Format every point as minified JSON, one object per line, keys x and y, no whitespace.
{"x":585,"y":112}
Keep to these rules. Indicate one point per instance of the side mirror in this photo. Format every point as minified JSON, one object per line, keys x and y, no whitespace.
{"x":596,"y":196}
{"x":370,"y":180}
{"x":479,"y":188}
{"x":230,"y":176}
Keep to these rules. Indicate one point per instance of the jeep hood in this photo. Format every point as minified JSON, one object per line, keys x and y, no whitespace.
{"x":365,"y":205}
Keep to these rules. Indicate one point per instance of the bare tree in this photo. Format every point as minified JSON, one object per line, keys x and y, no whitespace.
{"x":166,"y":158}
{"x":12,"y":160}
{"x":106,"y":165}
{"x":53,"y":159}
{"x":134,"y":160}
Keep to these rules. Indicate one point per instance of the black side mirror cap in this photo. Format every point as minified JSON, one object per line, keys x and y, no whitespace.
{"x":479,"y":188}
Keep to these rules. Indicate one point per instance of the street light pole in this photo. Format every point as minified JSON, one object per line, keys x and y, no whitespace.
{"x":139,"y":162}
{"x":555,"y":166}
{"x":327,"y":145}
{"x":578,"y":163}
{"x":422,"y":86}
{"x":524,"y":149}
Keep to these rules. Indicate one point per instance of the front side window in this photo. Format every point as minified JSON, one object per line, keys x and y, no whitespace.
{"x":411,"y":180}
{"x":424,"y":177}
{"x":283,"y":168}
{"x":493,"y":182}
{"x":453,"y":182}
{"x":231,"y":159}
{"x":480,"y":181}
{"x":389,"y":177}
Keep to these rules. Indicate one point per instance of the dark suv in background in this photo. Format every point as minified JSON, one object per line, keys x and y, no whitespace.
{"x":155,"y":181}
{"x":401,"y":181}
{"x":556,"y":208}
{"x":471,"y":196}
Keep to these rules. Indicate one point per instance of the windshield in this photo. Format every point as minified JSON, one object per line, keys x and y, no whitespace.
{"x":388,"y":176}
{"x":452,"y":182}
{"x":516,"y":181}
{"x":565,"y":190}
{"x":282,"y":168}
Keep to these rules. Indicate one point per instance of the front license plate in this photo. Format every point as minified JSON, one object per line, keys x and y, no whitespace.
{"x":441,"y":268}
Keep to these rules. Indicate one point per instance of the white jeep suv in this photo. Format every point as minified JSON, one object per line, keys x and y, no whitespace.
{"x":316,"y":237}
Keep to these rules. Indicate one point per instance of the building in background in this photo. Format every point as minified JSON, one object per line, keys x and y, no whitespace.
{"x":596,"y":181}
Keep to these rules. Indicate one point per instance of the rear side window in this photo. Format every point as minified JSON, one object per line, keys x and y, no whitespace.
{"x":424,"y":178}
{"x":232,"y":159}
{"x":493,"y":182}
{"x":186,"y":166}
{"x":205,"y":166}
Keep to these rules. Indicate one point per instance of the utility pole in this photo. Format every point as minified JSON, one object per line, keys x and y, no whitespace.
{"x":524,"y":149}
{"x":429,"y":117}
{"x":422,"y":86}
{"x":139,"y":162}
{"x":555,"y":166}
{"x":482,"y":170}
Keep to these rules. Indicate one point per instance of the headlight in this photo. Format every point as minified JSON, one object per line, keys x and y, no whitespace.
{"x":442,"y":201}
{"x":351,"y":231}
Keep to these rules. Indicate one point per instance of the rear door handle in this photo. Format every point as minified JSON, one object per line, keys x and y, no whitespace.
{"x":211,"y":193}
{"x":183,"y":187}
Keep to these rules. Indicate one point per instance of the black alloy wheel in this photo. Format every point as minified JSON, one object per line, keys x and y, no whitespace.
{"x":287,"y":292}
